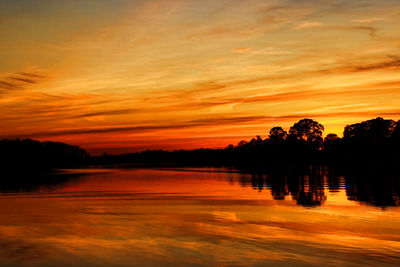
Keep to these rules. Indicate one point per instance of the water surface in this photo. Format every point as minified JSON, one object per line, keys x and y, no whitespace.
{"x":205,"y":217}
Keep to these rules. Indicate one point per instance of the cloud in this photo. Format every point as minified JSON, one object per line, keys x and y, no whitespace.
{"x":207,"y":122}
{"x":19,"y":81}
{"x":393,"y":63}
{"x":148,"y":128}
{"x":263,"y":51}
{"x":312,"y":24}
{"x":5,"y":85}
{"x":372,"y":30}
{"x":375,"y":89}
{"x":241,"y":50}
{"x":369,"y":29}
{"x":282,"y":14}
{"x":105,"y":113}
{"x":213,"y":86}
{"x":369,"y":20}
{"x":31,"y":75}
{"x":270,"y":51}
{"x":308,"y":25}
{"x":38,"y":106}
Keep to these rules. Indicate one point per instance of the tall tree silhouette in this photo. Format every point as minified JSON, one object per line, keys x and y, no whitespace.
{"x":307,"y":130}
{"x":375,"y":129}
{"x":370,"y":140}
{"x":277,"y":134}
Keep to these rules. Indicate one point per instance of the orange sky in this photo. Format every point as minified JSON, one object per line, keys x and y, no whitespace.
{"x":123,"y":76}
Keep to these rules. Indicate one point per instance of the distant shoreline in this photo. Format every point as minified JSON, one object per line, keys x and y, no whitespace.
{"x":371,"y":143}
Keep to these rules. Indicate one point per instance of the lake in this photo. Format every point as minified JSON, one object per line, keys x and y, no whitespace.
{"x":200,"y":217}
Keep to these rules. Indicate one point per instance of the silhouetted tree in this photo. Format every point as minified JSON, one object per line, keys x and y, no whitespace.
{"x":230,"y":147}
{"x":256,"y":142}
{"x":396,"y":133}
{"x":376,"y":129}
{"x":369,"y":140}
{"x":331,"y":138}
{"x":307,"y":130}
{"x":277,"y":134}
{"x":242,"y":143}
{"x":332,"y":146}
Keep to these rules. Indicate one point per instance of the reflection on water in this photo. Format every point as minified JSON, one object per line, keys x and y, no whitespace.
{"x":200,"y":217}
{"x":308,"y":186}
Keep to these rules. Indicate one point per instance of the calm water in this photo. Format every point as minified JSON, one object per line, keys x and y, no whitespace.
{"x":148,"y":217}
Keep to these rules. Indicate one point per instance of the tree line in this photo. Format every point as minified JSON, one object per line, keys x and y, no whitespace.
{"x":376,"y":140}
{"x":372,"y":140}
{"x":26,"y":155}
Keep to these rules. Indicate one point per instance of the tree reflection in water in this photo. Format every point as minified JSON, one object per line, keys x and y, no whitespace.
{"x":307,"y":186}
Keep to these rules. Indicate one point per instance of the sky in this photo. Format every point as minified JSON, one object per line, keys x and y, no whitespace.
{"x":121,"y":76}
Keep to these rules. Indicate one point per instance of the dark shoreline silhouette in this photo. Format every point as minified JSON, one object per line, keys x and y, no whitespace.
{"x":297,"y":164}
{"x":369,"y":143}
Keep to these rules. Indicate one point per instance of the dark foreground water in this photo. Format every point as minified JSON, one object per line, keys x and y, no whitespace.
{"x":208,"y":217}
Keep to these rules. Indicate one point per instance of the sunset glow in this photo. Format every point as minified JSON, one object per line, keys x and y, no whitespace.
{"x":120,"y":76}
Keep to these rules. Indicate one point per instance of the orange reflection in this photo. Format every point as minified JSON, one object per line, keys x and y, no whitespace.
{"x":163,"y":217}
